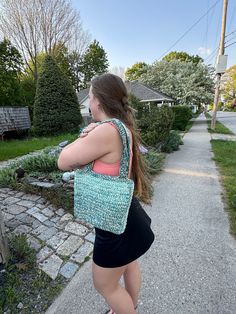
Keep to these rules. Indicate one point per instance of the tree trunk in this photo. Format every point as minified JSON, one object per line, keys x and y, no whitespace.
{"x":4,"y":249}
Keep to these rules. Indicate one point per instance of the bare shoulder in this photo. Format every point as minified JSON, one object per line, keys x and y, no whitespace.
{"x":105,"y":131}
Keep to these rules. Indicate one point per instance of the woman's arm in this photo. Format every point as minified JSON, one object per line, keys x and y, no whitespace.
{"x":87,"y":149}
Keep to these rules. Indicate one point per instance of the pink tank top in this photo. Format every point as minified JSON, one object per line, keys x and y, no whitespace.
{"x":114,"y":168}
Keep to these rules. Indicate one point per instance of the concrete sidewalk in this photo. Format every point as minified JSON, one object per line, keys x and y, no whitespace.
{"x":191,"y":267}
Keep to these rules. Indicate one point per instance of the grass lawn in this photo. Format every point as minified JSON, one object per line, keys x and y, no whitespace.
{"x":220,"y":128}
{"x":225,"y":157}
{"x":14,"y":148}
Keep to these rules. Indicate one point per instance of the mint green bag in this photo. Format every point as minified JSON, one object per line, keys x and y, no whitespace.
{"x":102,"y":200}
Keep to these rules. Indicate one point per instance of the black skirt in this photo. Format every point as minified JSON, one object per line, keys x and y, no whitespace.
{"x":116,"y":250}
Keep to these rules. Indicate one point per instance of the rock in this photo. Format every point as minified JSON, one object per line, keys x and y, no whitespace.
{"x":66,"y":176}
{"x":84,"y":251}
{"x":60,"y":212}
{"x":42,"y":184}
{"x":20,"y":306}
{"x":51,"y":265}
{"x":68,"y":270}
{"x":25,"y":203}
{"x":75,"y":228}
{"x":90,"y":237}
{"x":143,"y":149}
{"x":57,"y":240}
{"x":10,"y":200}
{"x":22,"y":229}
{"x":44,"y":253}
{"x":15,"y":209}
{"x":70,"y":245}
{"x":65,"y":218}
{"x":63,"y":144}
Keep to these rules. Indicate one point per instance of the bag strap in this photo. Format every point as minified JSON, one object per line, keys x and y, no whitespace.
{"x":125,"y":158}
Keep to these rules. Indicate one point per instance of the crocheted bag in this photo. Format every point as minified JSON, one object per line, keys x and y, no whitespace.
{"x":103,"y":200}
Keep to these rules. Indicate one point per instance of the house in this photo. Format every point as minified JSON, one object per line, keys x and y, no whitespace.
{"x":145,"y":94}
{"x":148,"y":95}
{"x":84,"y":105}
{"x":14,"y":119}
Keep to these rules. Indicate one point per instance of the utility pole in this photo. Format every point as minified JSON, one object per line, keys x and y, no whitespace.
{"x":218,"y":75}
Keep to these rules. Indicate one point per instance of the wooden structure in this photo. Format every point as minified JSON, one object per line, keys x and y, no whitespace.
{"x":14,"y":119}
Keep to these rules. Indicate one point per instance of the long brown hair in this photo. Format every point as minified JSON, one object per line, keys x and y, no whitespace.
{"x":112,"y":94}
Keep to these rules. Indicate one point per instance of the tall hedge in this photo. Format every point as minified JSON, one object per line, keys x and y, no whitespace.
{"x":56,"y":107}
{"x":155,"y":125}
{"x":182,"y":116}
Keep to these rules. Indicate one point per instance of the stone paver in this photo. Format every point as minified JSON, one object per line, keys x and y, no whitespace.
{"x":84,"y":251}
{"x":53,"y":233}
{"x":52,"y":265}
{"x":70,"y":245}
{"x":68,"y":270}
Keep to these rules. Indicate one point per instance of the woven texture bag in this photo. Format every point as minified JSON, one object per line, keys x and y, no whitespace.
{"x":102,"y":200}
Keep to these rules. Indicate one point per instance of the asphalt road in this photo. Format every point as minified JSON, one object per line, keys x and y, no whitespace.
{"x":228,"y":119}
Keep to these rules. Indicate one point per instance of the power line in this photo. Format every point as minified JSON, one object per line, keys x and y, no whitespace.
{"x":230,"y":33}
{"x":230,"y":39}
{"x":189,"y":29}
{"x":206,"y":32}
{"x":212,"y":54}
{"x":232,"y":16}
{"x":230,"y":44}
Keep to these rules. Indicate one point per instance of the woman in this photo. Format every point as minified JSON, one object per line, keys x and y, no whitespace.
{"x":114,"y":255}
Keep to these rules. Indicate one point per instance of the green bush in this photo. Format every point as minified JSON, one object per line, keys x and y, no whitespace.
{"x":172,"y":143}
{"x":137,"y":106}
{"x":7,"y":177}
{"x":155,"y":125}
{"x":154,"y":161}
{"x":56,"y":107}
{"x":182,"y":116}
{"x":20,"y":250}
{"x":42,"y":163}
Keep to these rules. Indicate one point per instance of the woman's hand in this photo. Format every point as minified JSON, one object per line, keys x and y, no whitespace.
{"x":88,"y":129}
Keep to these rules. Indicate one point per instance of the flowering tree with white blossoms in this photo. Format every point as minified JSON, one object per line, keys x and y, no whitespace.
{"x":186,"y":82}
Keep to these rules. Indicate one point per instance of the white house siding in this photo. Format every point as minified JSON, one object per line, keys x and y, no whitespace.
{"x":85,"y":107}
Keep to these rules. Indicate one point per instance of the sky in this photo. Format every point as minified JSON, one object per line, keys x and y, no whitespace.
{"x":133,"y":31}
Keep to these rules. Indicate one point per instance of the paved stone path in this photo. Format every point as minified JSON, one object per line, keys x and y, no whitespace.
{"x":62,"y":243}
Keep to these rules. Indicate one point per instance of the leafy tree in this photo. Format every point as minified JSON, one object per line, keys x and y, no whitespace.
{"x":74,"y":59}
{"x":10,"y":70}
{"x":186,"y":82}
{"x":229,"y":88}
{"x":61,"y":56}
{"x":56,"y":107}
{"x":182,"y":56}
{"x":35,"y":26}
{"x":94,"y":62}
{"x":134,"y":73}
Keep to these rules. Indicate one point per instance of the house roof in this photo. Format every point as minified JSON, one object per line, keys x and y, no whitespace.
{"x":141,"y":91}
{"x":82,"y":94}
{"x":146,"y":93}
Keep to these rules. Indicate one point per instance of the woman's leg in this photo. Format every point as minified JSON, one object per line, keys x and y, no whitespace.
{"x":132,"y":279}
{"x":106,"y":282}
